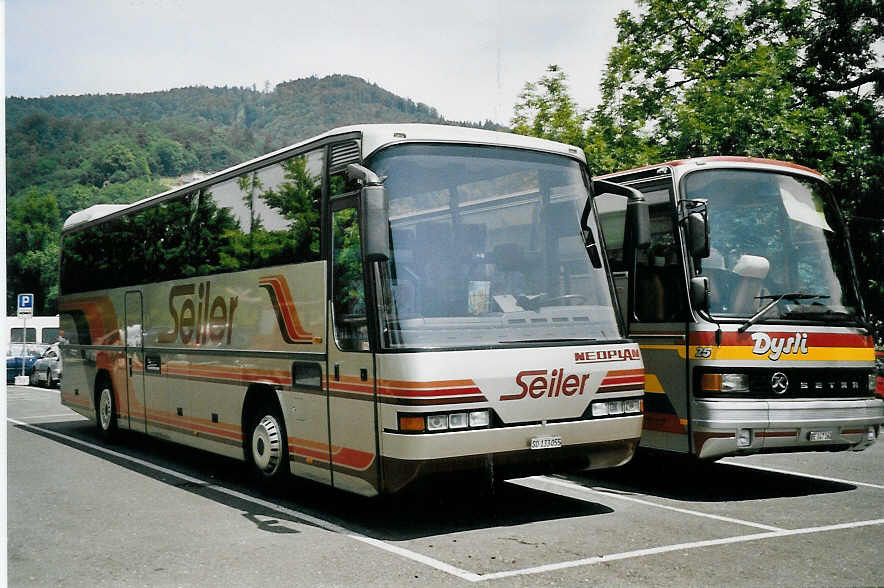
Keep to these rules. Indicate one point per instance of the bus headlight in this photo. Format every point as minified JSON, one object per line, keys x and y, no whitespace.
{"x":603,"y":408}
{"x":437,"y":422}
{"x":633,"y":405}
{"x":725,"y":382}
{"x":873,"y":381}
{"x":458,"y":420}
{"x":480,"y":418}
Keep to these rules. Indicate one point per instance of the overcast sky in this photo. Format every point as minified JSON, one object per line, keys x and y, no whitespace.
{"x":467,"y":58}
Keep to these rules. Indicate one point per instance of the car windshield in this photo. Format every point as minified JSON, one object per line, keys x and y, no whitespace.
{"x":487,"y":250}
{"x":775,"y":238}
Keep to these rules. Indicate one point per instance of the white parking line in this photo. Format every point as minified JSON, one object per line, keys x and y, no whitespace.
{"x":803,"y":475}
{"x":417,"y":557}
{"x":696,"y":513}
{"x":679,"y":547}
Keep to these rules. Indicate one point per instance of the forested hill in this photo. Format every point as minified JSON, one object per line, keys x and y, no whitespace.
{"x":50,"y":139}
{"x":64,"y":153}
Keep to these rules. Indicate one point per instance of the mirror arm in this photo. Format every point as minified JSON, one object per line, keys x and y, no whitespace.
{"x":364,"y":175}
{"x":606,"y":187}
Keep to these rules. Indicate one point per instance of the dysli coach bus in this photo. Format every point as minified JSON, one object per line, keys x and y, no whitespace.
{"x":746,"y":308}
{"x":367,"y":308}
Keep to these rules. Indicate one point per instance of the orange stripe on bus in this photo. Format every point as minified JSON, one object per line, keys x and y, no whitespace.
{"x":286,"y":307}
{"x":617,"y":373}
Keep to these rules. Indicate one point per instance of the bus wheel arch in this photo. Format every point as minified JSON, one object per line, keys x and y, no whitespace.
{"x":265,"y":440}
{"x":105,"y":405}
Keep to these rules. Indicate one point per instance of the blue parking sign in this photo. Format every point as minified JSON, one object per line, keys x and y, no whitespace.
{"x":25,"y":305}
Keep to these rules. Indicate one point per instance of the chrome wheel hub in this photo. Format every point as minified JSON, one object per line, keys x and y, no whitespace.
{"x":105,"y":405}
{"x":267,"y":445}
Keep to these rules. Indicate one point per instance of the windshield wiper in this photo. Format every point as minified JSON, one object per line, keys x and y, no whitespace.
{"x":776,"y":299}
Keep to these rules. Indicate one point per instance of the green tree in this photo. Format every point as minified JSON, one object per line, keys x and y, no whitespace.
{"x":111,"y":161}
{"x":545,"y":109}
{"x":32,"y":225}
{"x":169,"y":157}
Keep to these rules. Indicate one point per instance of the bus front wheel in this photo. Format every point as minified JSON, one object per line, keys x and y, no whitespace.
{"x":106,"y":417}
{"x":268,"y":446}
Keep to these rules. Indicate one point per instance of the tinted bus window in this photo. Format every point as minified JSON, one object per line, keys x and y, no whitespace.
{"x":265,"y":217}
{"x":262,"y":218}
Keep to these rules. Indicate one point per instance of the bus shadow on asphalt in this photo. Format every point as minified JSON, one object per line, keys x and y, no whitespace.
{"x":687,"y":479}
{"x":441,"y":508}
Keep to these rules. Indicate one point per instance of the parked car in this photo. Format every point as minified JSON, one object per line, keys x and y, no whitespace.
{"x":47,"y":369}
{"x":18,"y":352}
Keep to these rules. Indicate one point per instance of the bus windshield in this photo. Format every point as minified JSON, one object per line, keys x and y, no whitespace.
{"x":487,"y":250}
{"x":775,"y":239}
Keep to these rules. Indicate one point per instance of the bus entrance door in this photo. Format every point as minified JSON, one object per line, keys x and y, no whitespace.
{"x":351,"y":374}
{"x":135,"y":363}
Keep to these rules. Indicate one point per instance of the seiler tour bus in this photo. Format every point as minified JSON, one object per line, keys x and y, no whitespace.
{"x":366,"y":308}
{"x":746,"y":308}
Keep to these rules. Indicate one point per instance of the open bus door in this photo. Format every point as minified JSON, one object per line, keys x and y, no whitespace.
{"x":650,"y":284}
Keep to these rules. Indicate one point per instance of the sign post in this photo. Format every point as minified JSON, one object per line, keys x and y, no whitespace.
{"x":25,"y":311}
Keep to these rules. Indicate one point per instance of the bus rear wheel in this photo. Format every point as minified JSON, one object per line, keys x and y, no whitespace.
{"x":105,"y":411}
{"x":268,"y":446}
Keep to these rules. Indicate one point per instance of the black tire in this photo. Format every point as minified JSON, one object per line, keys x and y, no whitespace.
{"x":49,"y":383}
{"x":267,"y":448}
{"x":105,"y":410}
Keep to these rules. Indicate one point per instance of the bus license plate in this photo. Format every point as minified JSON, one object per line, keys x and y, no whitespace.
{"x":820,"y":435}
{"x":546,"y":442}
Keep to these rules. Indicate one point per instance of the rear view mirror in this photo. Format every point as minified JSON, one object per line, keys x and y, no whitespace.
{"x":639,"y":218}
{"x":694,"y":213}
{"x":375,"y":217}
{"x":698,"y":235}
{"x":638,"y":223}
{"x":700,"y":293}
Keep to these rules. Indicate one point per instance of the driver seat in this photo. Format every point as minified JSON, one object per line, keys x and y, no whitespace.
{"x":752,"y":269}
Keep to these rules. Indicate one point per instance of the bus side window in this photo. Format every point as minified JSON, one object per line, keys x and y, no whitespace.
{"x":348,"y":289}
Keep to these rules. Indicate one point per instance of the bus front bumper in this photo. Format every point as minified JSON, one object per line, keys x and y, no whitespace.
{"x":739,"y":427}
{"x":601,"y":443}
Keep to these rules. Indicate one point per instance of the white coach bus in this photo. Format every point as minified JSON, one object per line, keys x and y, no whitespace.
{"x":364,"y":309}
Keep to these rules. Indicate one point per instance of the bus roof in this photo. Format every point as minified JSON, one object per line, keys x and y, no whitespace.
{"x":374,"y":137}
{"x":700,"y":161}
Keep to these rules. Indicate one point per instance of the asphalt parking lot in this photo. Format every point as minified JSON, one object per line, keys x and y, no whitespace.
{"x":144,"y":512}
